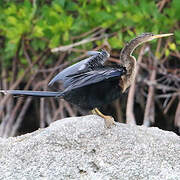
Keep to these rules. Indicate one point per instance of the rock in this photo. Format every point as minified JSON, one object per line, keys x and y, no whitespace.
{"x":82,"y":148}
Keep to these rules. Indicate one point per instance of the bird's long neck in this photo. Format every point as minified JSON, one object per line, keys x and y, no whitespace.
{"x":129,"y":62}
{"x":128,"y":78}
{"x":128,"y":50}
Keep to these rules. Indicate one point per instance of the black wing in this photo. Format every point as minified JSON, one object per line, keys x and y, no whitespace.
{"x":96,"y":60}
{"x":92,"y":77}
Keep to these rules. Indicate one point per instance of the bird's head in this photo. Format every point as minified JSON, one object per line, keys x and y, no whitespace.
{"x":145,"y":37}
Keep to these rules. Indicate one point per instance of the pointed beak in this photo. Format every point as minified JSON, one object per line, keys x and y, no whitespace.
{"x":161,"y":35}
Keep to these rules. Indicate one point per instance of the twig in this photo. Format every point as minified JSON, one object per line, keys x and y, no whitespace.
{"x":5,"y":118}
{"x":62,"y":66}
{"x":169,"y":104}
{"x":149,"y":113}
{"x":84,"y":41}
{"x":42,"y":115}
{"x":59,"y":110}
{"x":167,"y":95}
{"x":149,"y":109}
{"x":177,"y":116}
{"x":160,"y":86}
{"x":26,"y":53}
{"x":20,"y":117}
{"x":86,"y":33}
{"x":53,"y":105}
{"x":14,"y":112}
{"x":48,"y":115}
{"x":161,"y":4}
{"x":14,"y":85}
{"x":9,"y":102}
{"x":69,"y":109}
{"x":11,"y":119}
{"x":130,"y":119}
{"x":118,"y":109}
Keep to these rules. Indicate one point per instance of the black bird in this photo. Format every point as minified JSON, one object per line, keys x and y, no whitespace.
{"x":92,"y":83}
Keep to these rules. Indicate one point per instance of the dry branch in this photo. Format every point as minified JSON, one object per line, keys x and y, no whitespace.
{"x":169,"y":104}
{"x":59,"y":110}
{"x":177,"y":115}
{"x":84,"y":41}
{"x":149,"y":109}
{"x":149,"y":114}
{"x":42,"y":113}
{"x":19,"y":80}
{"x":130,"y":119}
{"x":119,"y":114}
{"x":20,"y":117}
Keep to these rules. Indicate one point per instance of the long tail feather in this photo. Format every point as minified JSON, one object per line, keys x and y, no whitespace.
{"x":32,"y":93}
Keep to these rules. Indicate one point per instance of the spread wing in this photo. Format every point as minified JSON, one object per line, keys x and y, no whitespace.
{"x":92,"y":77}
{"x":96,"y":60}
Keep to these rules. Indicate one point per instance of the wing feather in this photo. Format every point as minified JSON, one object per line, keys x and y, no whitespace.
{"x":96,"y":60}
{"x":92,"y":77}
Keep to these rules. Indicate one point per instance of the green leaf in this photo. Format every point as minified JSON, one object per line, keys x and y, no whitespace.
{"x":12,"y":20}
{"x":172,"y":46}
{"x":66,"y":36}
{"x":177,"y":36}
{"x":38,"y":31}
{"x":167,"y":52}
{"x":48,"y":33}
{"x":115,"y":42}
{"x":60,"y":2}
{"x":23,"y":60}
{"x":54,"y":42}
{"x":38,"y":44}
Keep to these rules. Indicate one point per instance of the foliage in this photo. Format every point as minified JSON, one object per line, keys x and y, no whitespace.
{"x":55,"y":22}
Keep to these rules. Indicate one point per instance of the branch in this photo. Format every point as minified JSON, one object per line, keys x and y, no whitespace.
{"x":18,"y":81}
{"x":177,"y":116}
{"x":20,"y":117}
{"x":149,"y":114}
{"x":169,"y":104}
{"x":59,"y":110}
{"x":118,"y":108}
{"x":149,"y":109}
{"x":42,"y":111}
{"x":130,"y":119}
{"x":84,"y":41}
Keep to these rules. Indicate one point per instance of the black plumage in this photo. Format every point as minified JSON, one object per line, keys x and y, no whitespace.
{"x":92,"y":89}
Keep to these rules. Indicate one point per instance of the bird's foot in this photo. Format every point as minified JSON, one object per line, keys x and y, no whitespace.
{"x":109,"y":120}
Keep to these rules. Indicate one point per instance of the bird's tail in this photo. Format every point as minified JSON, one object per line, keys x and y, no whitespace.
{"x":32,"y":93}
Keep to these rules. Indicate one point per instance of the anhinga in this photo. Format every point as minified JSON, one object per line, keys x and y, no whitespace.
{"x":92,"y":83}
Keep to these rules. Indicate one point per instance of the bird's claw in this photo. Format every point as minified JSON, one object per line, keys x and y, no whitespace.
{"x":109,"y":121}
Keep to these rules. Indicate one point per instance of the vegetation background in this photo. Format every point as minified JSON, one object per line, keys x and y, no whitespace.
{"x":31,"y":31}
